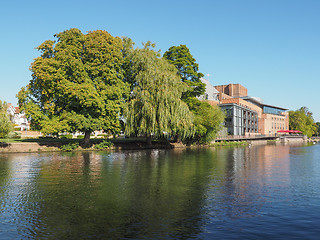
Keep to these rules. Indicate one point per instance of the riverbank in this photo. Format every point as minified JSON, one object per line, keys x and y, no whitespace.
{"x":56,"y":145}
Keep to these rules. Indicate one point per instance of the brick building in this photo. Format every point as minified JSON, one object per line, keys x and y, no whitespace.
{"x":247,"y":115}
{"x":232,"y":90}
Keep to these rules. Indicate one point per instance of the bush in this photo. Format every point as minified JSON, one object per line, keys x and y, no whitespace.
{"x":67,"y":136}
{"x":105,"y":144}
{"x":14,"y":135}
{"x":80,"y":137}
{"x":104,"y":136}
{"x":69,"y":147}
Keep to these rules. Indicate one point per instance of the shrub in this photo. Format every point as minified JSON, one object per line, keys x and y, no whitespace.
{"x":14,"y":135}
{"x":67,"y":136}
{"x":80,"y":136}
{"x":69,"y":147}
{"x":105,"y":144}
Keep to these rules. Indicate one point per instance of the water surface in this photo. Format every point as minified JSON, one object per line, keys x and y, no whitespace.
{"x":261,"y":192}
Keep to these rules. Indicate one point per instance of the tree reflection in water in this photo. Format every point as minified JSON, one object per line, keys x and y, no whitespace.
{"x":149,"y":194}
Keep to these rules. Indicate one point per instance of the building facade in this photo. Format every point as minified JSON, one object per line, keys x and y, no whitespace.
{"x":240,"y":120}
{"x":211,"y":93}
{"x":247,"y":115}
{"x":17,"y":118}
{"x":272,"y":118}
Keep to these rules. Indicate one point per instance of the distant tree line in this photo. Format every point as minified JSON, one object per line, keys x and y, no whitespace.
{"x":94,"y":81}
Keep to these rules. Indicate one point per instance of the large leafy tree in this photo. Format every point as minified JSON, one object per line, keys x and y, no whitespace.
{"x":5,"y":124}
{"x":208,"y":121}
{"x":76,"y":84}
{"x":188,"y":70}
{"x":302,"y":120}
{"x":155,"y":106}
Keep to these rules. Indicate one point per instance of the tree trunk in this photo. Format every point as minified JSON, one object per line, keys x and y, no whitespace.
{"x":149,"y":140}
{"x":86,"y":140}
{"x":177,"y":138}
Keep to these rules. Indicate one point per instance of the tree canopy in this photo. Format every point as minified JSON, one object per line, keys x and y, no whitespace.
{"x":208,"y":120}
{"x":317,"y":127}
{"x":155,"y":106}
{"x":5,"y":124}
{"x":77,"y":84}
{"x":302,"y":120}
{"x":187,"y":67}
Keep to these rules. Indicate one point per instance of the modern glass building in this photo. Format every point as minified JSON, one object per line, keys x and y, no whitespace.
{"x":239,"y":119}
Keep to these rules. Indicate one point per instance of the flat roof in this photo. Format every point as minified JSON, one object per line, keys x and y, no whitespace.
{"x":237,"y":105}
{"x":266,"y":105}
{"x":262,"y":104}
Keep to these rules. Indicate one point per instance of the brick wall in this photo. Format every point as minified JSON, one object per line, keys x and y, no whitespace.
{"x":233,"y":90}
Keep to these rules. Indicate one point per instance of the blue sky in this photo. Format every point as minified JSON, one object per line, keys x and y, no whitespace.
{"x":269,"y":46}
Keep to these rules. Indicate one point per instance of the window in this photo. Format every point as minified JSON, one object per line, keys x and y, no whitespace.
{"x":271,"y":110}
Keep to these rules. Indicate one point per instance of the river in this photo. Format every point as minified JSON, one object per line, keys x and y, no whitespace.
{"x":258,"y":192}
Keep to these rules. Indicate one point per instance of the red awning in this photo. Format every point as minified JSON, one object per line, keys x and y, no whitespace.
{"x":289,"y":131}
{"x":296,"y":131}
{"x":284,"y":131}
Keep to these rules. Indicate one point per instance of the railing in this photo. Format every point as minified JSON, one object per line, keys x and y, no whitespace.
{"x":258,"y":137}
{"x":246,"y":137}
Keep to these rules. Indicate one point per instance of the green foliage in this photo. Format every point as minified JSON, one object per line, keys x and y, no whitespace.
{"x":14,"y":135}
{"x":80,"y":136}
{"x":66,"y":136}
{"x":69,"y":147}
{"x":105,"y":144}
{"x":6,"y":125}
{"x":128,"y":52}
{"x":302,"y":120}
{"x":155,"y":107}
{"x":208,"y":120}
{"x":76,"y":84}
{"x":188,"y":69}
{"x":317,"y":127}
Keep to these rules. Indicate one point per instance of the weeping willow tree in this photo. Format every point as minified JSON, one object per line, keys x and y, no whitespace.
{"x":155,"y":107}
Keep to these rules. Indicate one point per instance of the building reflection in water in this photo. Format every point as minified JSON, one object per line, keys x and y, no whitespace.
{"x":241,"y":191}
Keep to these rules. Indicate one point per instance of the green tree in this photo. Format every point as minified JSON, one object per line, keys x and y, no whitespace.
{"x":302,"y":120}
{"x":6,"y":125}
{"x":155,"y":106}
{"x":76,"y":84}
{"x":187,"y":67}
{"x":208,"y":120}
{"x":317,"y":127}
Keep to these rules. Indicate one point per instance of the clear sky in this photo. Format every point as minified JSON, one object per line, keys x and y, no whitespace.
{"x":269,"y":46}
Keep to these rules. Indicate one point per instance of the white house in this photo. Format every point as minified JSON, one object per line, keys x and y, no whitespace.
{"x":18,"y":118}
{"x":211,"y":93}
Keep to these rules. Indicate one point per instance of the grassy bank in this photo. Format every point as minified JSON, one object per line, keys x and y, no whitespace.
{"x":65,"y":144}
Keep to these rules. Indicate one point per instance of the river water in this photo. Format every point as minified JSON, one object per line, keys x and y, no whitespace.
{"x":258,"y":192}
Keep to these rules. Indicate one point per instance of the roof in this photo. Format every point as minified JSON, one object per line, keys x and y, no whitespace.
{"x":257,"y":102}
{"x":280,"y":108}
